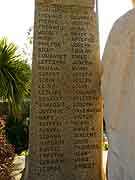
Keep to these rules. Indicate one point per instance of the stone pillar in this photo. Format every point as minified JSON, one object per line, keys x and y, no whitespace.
{"x":65,"y":131}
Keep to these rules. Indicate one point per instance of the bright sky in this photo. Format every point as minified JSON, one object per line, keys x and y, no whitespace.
{"x":109,"y":11}
{"x":16,"y":17}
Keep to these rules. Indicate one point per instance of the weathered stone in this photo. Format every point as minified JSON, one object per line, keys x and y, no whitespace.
{"x":65,"y":132}
{"x":119,"y":97}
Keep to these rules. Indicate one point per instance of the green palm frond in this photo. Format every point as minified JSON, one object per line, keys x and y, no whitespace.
{"x":15,"y":75}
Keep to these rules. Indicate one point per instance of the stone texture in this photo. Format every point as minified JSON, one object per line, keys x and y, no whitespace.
{"x":119,"y":97}
{"x":65,"y":132}
{"x":79,"y":3}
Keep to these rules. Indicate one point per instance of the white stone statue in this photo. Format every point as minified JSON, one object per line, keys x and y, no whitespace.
{"x":118,"y":87}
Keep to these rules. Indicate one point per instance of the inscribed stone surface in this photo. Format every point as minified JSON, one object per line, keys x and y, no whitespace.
{"x":65,"y":132}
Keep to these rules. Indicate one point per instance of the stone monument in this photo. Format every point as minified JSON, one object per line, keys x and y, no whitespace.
{"x":65,"y":131}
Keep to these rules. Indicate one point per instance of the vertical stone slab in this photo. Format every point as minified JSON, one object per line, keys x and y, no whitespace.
{"x":65,"y":132}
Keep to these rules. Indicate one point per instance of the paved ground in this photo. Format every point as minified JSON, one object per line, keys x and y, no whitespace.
{"x":104,"y":161}
{"x":19,"y":164}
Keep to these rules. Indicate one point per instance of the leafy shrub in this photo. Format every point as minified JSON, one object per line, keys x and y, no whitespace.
{"x":17,"y":133}
{"x":105,"y":146}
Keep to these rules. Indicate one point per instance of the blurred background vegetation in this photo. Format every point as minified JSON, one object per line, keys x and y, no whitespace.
{"x":15,"y":92}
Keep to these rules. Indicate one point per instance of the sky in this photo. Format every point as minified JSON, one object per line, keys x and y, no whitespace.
{"x":109,"y":12}
{"x":17,"y":16}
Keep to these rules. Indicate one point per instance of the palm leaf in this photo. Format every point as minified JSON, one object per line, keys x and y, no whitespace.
{"x":15,"y":75}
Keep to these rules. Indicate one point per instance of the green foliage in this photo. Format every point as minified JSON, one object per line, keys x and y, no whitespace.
{"x":15,"y":76}
{"x":24,"y":153}
{"x":105,"y":146}
{"x":17,"y":133}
